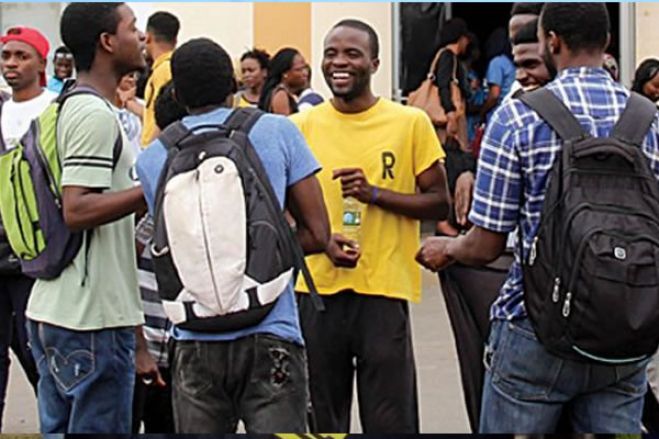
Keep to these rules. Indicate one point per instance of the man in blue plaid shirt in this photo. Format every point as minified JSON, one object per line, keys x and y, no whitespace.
{"x":526,"y":387}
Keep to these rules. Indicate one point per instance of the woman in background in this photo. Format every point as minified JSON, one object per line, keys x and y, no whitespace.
{"x":287,"y":75}
{"x":254,"y":71}
{"x":646,"y":79}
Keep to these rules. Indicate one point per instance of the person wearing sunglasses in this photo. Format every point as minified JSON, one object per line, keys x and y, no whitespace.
{"x":63,"y":65}
{"x":646,"y":79}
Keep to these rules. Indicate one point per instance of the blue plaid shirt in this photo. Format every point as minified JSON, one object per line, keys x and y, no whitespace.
{"x":518,"y":144}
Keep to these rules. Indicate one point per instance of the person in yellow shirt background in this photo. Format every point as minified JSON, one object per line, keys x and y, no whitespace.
{"x":161,"y":35}
{"x":382,"y":159}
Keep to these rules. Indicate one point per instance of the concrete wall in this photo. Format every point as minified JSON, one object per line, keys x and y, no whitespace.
{"x":647,"y":31}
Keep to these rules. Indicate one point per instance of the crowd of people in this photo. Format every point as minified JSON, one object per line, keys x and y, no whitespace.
{"x":181,"y":311}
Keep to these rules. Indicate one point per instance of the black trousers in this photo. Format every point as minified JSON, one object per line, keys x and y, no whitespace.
{"x":259,"y":379}
{"x":469,"y":293}
{"x":14,"y":294}
{"x":370,"y":336}
{"x":152,"y":405}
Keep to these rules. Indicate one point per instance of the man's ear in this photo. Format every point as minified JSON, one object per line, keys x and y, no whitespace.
{"x":608,"y":40}
{"x":375,"y":65}
{"x":106,"y":41}
{"x":554,"y":43}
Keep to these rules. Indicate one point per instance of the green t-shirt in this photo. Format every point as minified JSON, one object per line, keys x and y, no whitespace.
{"x":99,"y":288}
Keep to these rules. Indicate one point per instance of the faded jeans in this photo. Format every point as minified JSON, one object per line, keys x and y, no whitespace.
{"x":86,"y":378}
{"x":527,"y":388}
{"x":259,"y":379}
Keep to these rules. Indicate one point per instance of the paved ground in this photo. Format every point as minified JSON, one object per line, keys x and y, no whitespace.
{"x":442,"y":407}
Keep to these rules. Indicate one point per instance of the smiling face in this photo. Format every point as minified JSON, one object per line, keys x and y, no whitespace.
{"x":530,"y":70}
{"x":347,"y":62}
{"x":651,"y":88}
{"x":63,"y":65}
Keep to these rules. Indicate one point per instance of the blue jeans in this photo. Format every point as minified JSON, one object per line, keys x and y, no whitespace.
{"x":86,"y":378}
{"x":527,"y":388}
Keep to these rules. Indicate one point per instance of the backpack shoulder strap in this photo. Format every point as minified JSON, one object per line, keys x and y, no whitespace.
{"x":635,"y":121}
{"x":553,"y":111}
{"x":243,"y":119}
{"x":173,"y":135}
{"x":74,"y":90}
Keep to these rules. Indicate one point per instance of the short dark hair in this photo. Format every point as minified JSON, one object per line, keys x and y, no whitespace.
{"x":167,"y":109}
{"x":373,"y":40}
{"x":164,"y":27}
{"x":62,"y":49}
{"x":526,"y":34}
{"x":452,"y":30}
{"x":583,"y":26}
{"x":526,"y":9}
{"x":81,"y":26}
{"x":202,"y":73}
{"x":261,"y":56}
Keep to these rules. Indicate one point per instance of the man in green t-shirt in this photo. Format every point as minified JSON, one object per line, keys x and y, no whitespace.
{"x":82,"y":323}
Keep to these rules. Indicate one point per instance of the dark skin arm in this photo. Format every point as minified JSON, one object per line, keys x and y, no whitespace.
{"x":431,"y":203}
{"x":490,"y":101}
{"x":306,"y":204}
{"x":86,"y":208}
{"x":145,"y":366}
{"x":280,"y":104}
{"x":478,"y":247}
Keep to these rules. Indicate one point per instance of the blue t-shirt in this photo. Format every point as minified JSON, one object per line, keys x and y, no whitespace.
{"x":501,"y":72}
{"x":287,"y":160}
{"x":55,"y":85}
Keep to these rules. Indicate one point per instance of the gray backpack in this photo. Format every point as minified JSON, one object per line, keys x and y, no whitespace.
{"x":223,"y":251}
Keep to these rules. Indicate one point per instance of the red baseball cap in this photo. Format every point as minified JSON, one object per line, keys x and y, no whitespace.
{"x":32,"y":37}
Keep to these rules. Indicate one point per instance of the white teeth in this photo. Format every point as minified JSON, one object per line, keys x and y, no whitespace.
{"x":340,"y":75}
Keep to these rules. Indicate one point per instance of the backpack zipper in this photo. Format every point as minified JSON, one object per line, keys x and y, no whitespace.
{"x":580,"y":208}
{"x":579,"y":258}
{"x":201,"y":157}
{"x":15,"y":176}
{"x":575,"y":269}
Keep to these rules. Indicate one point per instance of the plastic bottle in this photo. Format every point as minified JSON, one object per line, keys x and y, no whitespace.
{"x":352,"y":218}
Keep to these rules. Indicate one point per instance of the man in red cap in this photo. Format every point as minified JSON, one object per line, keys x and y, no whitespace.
{"x":23,"y":66}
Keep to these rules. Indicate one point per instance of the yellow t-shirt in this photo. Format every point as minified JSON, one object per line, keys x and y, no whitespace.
{"x":160,"y":75}
{"x":392,"y":144}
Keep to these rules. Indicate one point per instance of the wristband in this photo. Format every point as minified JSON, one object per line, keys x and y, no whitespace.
{"x":374,"y":195}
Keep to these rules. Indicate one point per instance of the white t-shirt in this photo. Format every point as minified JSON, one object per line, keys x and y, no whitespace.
{"x":16,"y":116}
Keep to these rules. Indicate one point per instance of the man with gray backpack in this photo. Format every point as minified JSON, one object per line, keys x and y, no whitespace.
{"x":224,"y":256}
{"x":575,"y":165}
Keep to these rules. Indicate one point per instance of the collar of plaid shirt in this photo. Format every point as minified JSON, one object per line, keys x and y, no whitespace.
{"x":518,"y":144}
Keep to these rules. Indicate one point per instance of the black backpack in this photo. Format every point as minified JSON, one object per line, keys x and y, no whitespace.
{"x":222,"y":251}
{"x":591,"y":278}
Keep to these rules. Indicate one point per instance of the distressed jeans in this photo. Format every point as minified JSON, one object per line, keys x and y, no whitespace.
{"x":86,"y":378}
{"x":259,"y":379}
{"x":527,"y":388}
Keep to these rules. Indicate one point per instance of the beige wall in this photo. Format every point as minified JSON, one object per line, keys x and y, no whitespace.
{"x":279,"y":25}
{"x":647,"y":31}
{"x":378,"y":15}
{"x":233,"y":26}
{"x":228,"y":23}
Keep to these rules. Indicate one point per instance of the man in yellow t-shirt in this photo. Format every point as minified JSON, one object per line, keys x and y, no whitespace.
{"x":161,"y":34}
{"x":387,"y":157}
